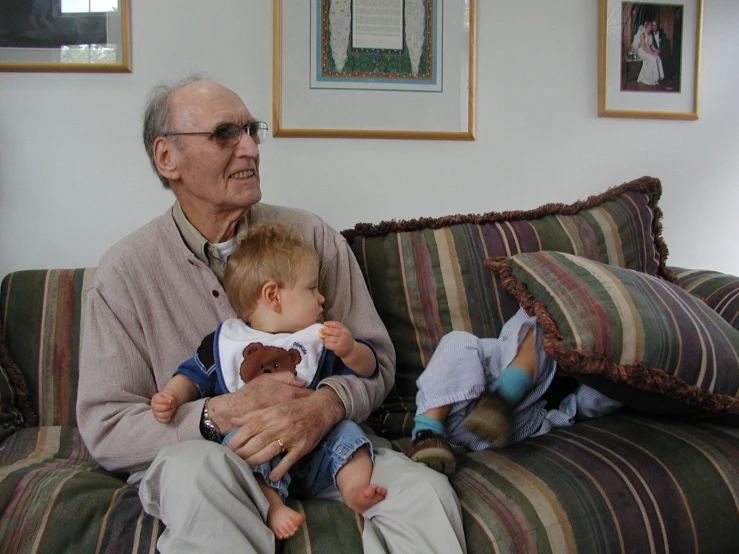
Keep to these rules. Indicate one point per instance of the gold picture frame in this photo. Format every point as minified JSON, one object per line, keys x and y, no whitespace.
{"x":649,"y":59}
{"x":54,"y":36}
{"x":336,"y":79}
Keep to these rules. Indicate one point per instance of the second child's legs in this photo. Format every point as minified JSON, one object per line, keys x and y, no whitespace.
{"x":471,"y":388}
{"x":492,"y":417}
{"x":429,"y":445}
{"x":353,"y":482}
{"x":490,"y":420}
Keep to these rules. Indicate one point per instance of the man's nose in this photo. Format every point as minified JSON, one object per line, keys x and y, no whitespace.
{"x":247,"y":145}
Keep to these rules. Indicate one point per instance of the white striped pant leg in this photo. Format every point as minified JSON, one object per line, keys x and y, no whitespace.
{"x":454,"y":373}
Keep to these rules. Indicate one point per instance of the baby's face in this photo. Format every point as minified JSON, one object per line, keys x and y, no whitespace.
{"x":302,"y":304}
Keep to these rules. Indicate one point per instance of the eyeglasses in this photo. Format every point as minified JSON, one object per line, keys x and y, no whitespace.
{"x":229,"y":134}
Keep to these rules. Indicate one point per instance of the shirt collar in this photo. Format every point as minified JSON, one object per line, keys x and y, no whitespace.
{"x":197,"y":243}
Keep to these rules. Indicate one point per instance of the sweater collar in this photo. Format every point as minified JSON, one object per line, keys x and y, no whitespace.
{"x":197,"y":243}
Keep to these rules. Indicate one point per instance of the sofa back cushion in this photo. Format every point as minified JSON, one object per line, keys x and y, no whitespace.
{"x":427,"y":276}
{"x":41,"y":312}
{"x":718,"y":290}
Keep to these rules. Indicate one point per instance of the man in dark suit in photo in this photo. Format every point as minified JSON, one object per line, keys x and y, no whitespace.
{"x":662,"y":43}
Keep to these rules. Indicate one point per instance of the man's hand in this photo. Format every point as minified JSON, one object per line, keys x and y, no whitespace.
{"x":264,"y":391}
{"x":298,"y":424}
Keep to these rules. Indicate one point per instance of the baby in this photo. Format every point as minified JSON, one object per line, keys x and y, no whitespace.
{"x":271,"y":280}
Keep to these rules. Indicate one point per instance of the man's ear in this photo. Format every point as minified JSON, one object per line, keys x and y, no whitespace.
{"x":271,"y":296}
{"x":165,"y":158}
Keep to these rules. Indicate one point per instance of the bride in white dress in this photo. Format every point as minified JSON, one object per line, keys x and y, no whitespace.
{"x":651,"y":69}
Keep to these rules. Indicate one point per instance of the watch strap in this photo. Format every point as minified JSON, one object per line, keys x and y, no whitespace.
{"x":208,"y":429}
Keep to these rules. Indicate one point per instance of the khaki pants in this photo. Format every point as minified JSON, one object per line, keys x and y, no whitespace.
{"x":210,"y":502}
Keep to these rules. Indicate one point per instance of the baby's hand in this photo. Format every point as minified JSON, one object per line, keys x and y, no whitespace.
{"x":337,"y":338}
{"x":163,"y":407}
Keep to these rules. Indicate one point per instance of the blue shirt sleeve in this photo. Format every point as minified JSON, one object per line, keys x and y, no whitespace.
{"x":330,"y":365}
{"x":201,"y":369}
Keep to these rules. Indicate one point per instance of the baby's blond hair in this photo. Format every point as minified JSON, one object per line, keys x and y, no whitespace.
{"x":269,"y":252}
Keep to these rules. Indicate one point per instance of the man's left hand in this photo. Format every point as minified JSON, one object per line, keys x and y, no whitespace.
{"x":294,"y":427}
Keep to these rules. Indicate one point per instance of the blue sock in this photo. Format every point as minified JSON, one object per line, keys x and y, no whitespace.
{"x":423,"y":422}
{"x":512,"y":384}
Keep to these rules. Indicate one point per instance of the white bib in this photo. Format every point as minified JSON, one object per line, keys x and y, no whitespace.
{"x":236,"y":335}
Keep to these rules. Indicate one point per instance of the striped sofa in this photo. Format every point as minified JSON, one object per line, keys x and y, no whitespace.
{"x":628,"y":483}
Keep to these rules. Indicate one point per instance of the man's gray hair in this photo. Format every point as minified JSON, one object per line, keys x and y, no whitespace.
{"x":157,"y":117}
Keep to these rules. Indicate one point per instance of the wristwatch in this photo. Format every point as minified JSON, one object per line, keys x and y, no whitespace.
{"x":208,"y":428}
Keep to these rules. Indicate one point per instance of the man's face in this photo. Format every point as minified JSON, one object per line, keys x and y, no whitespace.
{"x":209,"y":177}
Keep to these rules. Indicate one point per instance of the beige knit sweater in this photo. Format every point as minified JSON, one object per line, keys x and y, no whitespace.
{"x":152,"y":302}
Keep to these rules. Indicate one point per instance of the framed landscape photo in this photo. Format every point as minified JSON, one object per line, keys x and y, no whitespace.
{"x":65,"y":35}
{"x":374,"y":69}
{"x":649,"y":59}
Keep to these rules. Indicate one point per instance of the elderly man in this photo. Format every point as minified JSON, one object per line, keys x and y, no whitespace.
{"x":159,"y":291}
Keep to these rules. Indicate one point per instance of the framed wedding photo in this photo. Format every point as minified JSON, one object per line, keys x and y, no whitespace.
{"x":367,"y":69}
{"x":649,"y":59}
{"x":65,"y":35}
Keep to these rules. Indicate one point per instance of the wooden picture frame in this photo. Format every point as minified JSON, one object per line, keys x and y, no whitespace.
{"x":337,"y":75}
{"x":65,"y":36}
{"x":649,"y":59}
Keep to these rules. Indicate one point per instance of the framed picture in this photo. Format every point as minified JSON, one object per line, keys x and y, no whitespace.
{"x":649,"y":59}
{"x":65,"y":35}
{"x":369,"y":69}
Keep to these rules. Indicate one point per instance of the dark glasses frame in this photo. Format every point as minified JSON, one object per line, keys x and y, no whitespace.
{"x":229,"y":134}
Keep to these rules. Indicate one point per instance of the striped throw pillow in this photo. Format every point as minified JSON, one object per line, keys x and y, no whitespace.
{"x":636,"y":338}
{"x":427,"y":277}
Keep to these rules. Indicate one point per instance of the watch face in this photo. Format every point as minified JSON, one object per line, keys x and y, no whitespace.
{"x":209,"y":431}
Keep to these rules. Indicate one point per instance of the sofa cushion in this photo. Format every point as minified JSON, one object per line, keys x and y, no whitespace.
{"x":55,"y":498}
{"x":427,"y":276}
{"x":636,"y":338}
{"x":15,"y":403}
{"x":622,"y":483}
{"x":719,"y":290}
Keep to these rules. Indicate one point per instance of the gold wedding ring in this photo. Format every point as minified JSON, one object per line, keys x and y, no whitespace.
{"x":282,"y":446}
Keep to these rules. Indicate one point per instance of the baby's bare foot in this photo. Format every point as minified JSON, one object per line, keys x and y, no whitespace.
{"x":284,"y":521}
{"x":362,"y":499}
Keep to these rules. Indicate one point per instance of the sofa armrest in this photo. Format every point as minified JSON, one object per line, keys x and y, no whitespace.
{"x":41,"y":312}
{"x":719,"y":290}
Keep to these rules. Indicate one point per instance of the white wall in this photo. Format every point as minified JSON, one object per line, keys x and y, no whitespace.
{"x":74,"y":177}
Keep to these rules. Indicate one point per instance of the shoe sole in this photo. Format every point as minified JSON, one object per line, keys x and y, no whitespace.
{"x":489,"y":425}
{"x":438,"y":459}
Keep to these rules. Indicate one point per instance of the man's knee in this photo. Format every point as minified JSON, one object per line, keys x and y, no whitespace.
{"x":412,"y":478}
{"x":196,"y":465}
{"x":187,"y":459}
{"x":424,"y":481}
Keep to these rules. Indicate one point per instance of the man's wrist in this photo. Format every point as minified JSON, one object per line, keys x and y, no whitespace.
{"x":332,"y":407}
{"x":218,"y":411}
